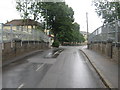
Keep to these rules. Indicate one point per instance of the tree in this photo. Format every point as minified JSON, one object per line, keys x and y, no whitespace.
{"x":57,"y":16}
{"x":77,"y":36}
{"x":109,"y":11}
{"x":22,"y":7}
{"x":72,"y":35}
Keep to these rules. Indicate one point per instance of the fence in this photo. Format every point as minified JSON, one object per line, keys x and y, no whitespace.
{"x":9,"y":33}
{"x":105,"y":33}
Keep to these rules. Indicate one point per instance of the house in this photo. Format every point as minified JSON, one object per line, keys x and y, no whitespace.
{"x":20,"y":24}
{"x":24,"y":22}
{"x":27,"y":26}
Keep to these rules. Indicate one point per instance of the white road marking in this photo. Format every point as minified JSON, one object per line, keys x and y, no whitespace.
{"x":40,"y":67}
{"x":20,"y":86}
{"x":55,"y":52}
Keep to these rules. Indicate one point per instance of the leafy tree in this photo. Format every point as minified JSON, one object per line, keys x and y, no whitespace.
{"x":108,"y":10}
{"x":22,"y":7}
{"x":78,"y":37}
{"x":72,"y":35}
{"x":58,"y":17}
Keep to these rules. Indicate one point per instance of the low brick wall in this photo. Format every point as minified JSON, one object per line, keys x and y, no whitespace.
{"x":107,"y":49}
{"x":0,"y":54}
{"x":9,"y":53}
{"x":116,"y":53}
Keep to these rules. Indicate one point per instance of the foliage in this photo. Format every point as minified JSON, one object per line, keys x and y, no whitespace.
{"x":56,"y":44}
{"x":72,"y":35}
{"x":108,"y":10}
{"x":57,"y":16}
{"x":22,"y":7}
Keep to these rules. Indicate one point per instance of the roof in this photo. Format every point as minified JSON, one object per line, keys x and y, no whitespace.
{"x":23,"y":22}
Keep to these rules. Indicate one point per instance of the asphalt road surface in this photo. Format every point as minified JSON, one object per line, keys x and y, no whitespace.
{"x":70,"y":69}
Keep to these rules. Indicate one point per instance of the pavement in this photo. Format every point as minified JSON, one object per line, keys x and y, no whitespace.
{"x":107,"y":68}
{"x":0,"y":78}
{"x":0,"y":66}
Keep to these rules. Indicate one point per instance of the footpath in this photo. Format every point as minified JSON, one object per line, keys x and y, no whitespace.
{"x":106,"y":67}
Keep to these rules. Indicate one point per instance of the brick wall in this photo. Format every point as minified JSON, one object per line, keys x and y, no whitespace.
{"x":0,"y":54}
{"x":116,"y":53}
{"x":107,"y":49}
{"x":9,"y":53}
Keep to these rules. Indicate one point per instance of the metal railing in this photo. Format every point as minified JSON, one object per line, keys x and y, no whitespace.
{"x":9,"y":33}
{"x":109,"y":32}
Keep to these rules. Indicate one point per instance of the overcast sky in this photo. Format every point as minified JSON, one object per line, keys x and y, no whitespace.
{"x":80,"y":7}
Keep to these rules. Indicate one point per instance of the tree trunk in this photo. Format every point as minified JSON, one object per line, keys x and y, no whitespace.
{"x":55,"y":37}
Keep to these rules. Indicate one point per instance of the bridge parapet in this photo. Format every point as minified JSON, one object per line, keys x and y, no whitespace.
{"x":18,"y":40}
{"x":106,"y":33}
{"x":106,"y":39}
{"x":10,"y":33}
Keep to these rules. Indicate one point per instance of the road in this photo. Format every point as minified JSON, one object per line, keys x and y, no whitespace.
{"x":70,"y":69}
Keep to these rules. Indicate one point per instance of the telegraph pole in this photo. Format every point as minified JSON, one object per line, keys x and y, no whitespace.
{"x":87,"y":26}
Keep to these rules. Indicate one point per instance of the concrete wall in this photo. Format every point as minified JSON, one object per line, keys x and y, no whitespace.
{"x":108,"y":49}
{"x":9,"y":53}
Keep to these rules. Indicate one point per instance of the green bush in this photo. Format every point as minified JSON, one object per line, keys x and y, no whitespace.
{"x":56,"y":44}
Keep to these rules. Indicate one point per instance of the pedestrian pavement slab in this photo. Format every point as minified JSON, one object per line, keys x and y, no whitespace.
{"x":107,"y":67}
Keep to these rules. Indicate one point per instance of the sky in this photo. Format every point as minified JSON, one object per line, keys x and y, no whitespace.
{"x":80,"y":7}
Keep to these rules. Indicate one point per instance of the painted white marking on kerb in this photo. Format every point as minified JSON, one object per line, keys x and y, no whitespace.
{"x":20,"y":86}
{"x":40,"y":67}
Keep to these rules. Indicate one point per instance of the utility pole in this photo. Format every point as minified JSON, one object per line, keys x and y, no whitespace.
{"x":87,"y":27}
{"x":87,"y":24}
